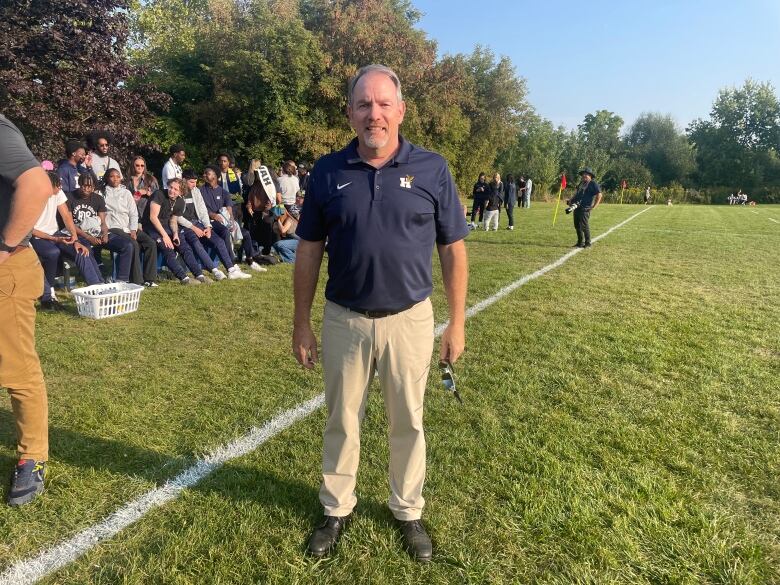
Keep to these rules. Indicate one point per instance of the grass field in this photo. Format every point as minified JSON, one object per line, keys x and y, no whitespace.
{"x":621,"y":422}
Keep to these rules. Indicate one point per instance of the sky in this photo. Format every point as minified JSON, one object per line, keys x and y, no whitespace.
{"x":628,"y":57}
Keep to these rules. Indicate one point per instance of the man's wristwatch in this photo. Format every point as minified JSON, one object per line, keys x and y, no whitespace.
{"x":6,"y":248}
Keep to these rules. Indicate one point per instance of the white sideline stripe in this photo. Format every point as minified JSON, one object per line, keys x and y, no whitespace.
{"x":47,"y":561}
{"x":756,"y":212}
{"x":482,"y":305}
{"x":773,"y":219}
{"x":55,"y":558}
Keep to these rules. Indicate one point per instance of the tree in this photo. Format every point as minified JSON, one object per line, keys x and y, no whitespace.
{"x":739,"y":144}
{"x":535,"y":152}
{"x":655,"y":142}
{"x":64,"y":70}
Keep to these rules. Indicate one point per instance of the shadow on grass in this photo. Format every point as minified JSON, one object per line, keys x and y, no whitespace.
{"x":272,"y":491}
{"x":89,"y":452}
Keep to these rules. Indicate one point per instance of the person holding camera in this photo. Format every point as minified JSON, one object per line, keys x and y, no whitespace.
{"x":587,"y":198}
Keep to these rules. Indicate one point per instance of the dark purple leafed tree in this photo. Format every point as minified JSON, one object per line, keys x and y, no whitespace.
{"x":64,"y":72}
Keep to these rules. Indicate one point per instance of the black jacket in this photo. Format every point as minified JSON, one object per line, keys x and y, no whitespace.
{"x":480,"y":190}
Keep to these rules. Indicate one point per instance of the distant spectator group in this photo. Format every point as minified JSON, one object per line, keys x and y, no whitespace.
{"x":738,"y":198}
{"x":490,"y":197}
{"x":200,"y":226}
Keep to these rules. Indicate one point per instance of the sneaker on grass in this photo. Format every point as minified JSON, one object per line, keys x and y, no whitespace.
{"x":27,"y":482}
{"x":257,"y":267}
{"x":236,"y":274}
{"x":187,"y":281}
{"x":218,"y":274}
{"x":203,"y":279}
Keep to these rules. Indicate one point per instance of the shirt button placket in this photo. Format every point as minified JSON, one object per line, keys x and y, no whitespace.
{"x":377,"y":185}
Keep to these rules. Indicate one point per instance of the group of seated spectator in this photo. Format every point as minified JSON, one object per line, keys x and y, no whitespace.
{"x":191,"y":224}
{"x":738,"y":198}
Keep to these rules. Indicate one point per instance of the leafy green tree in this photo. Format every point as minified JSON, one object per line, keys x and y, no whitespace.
{"x":535,"y":152}
{"x":655,"y":141}
{"x":633,"y":172}
{"x":739,"y":144}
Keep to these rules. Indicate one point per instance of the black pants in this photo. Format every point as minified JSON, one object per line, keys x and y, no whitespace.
{"x":510,"y":213}
{"x":143,"y":243}
{"x":581,"y":219}
{"x":478,"y":205}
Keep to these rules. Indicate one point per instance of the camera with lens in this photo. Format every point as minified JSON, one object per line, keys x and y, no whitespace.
{"x":572,"y":207}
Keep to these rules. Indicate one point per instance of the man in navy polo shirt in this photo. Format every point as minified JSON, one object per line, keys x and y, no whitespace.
{"x":381,"y":203}
{"x":587,"y":197}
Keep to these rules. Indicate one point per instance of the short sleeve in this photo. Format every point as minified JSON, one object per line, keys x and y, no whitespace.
{"x":16,"y":158}
{"x":450,"y":219}
{"x":596,"y":188}
{"x":311,"y":225}
{"x":99,"y":203}
{"x":60,"y":198}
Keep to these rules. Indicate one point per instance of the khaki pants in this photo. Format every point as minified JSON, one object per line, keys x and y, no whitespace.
{"x":399,"y":347}
{"x":21,"y":282}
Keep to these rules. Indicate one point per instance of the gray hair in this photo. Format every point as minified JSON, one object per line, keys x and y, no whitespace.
{"x":371,"y":69}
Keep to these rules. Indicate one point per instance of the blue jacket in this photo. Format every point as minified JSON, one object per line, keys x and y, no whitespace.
{"x":69,"y":175}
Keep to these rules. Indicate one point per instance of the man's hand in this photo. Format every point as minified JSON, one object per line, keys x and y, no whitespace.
{"x":81,"y":249}
{"x":133,"y":235}
{"x":93,"y":240}
{"x":304,"y":345}
{"x":198,"y":232}
{"x":207,"y":232}
{"x":453,"y":342}
{"x":167,"y":242}
{"x":176,"y":240}
{"x":70,"y":239}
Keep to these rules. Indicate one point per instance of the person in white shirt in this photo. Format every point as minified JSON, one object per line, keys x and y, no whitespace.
{"x":289,"y":183}
{"x":122,"y":220}
{"x":99,"y":143}
{"x":50,"y":244}
{"x":529,"y":187}
{"x":172,"y":168}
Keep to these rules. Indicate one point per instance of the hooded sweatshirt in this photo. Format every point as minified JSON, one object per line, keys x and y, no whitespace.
{"x":122,"y":212}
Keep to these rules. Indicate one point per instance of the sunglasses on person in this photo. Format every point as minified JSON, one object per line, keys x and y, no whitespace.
{"x":448,"y":379}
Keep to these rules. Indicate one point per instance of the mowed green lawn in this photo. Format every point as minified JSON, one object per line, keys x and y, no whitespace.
{"x":621,"y":421}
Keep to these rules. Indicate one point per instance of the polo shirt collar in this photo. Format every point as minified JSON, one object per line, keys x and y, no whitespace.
{"x":401,"y":157}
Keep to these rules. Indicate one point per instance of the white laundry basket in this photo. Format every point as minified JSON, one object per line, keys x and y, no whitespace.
{"x":101,"y":301}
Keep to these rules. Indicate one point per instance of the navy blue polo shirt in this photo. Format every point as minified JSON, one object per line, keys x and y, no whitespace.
{"x":215,"y":198}
{"x":381,"y":224}
{"x":585,"y":195}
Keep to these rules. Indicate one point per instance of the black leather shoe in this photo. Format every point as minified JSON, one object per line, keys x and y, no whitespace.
{"x":324,"y":538}
{"x":577,"y":245}
{"x":417,"y":541}
{"x":586,"y":245}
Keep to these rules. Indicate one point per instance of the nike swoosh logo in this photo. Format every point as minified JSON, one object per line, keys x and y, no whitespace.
{"x":340,"y":187}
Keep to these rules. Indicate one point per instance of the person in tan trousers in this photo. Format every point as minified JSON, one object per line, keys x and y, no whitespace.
{"x":24,"y":190}
{"x":382,"y":204}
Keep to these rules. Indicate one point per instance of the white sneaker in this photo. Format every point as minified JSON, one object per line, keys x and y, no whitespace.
{"x":203,"y":279}
{"x":236,"y":274}
{"x":218,"y":274}
{"x":511,"y":227}
{"x":257,"y":267}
